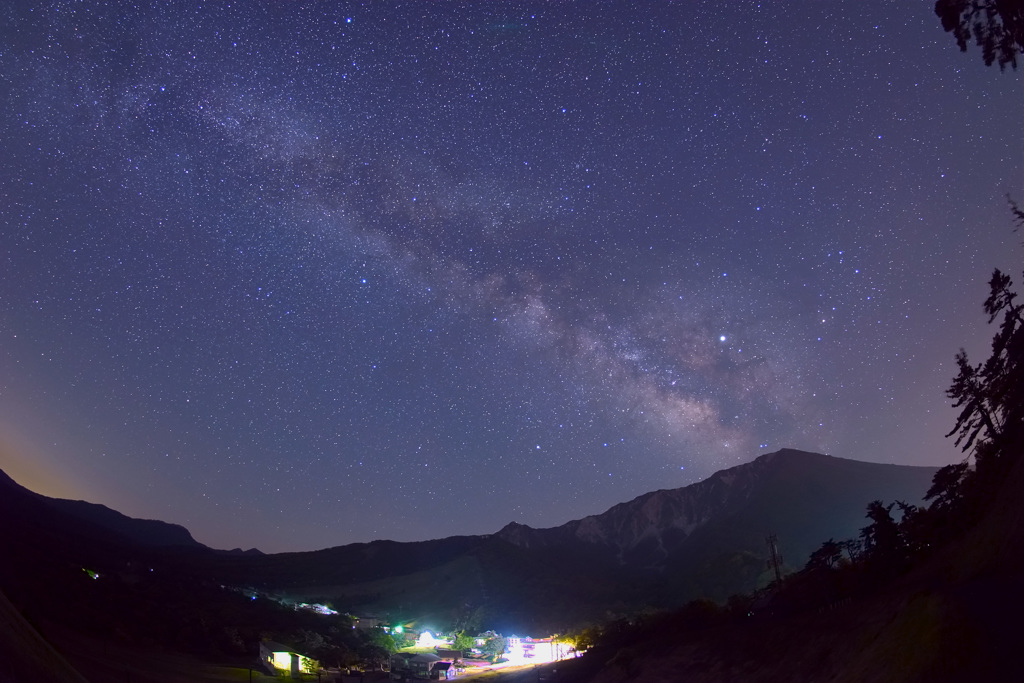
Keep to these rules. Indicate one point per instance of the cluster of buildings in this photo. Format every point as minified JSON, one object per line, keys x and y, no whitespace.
{"x":444,"y":663}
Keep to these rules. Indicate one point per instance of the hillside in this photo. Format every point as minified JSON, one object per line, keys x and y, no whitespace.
{"x":804,"y":498}
{"x":25,"y":655}
{"x":658,"y":550}
{"x":952,"y":617}
{"x":88,"y":520}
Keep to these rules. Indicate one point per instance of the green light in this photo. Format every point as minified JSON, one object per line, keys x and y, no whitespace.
{"x":399,"y":629}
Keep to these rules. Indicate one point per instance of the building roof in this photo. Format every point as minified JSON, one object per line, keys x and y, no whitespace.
{"x":425,"y":657}
{"x":278,"y":647}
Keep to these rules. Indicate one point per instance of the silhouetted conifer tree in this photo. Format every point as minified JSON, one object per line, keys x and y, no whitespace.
{"x":991,"y":394}
{"x":883,"y":542}
{"x":996,"y":26}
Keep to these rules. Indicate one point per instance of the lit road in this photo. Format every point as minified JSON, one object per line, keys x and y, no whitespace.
{"x":523,"y":673}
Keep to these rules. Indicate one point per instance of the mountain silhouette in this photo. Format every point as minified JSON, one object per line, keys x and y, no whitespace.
{"x":659,"y":549}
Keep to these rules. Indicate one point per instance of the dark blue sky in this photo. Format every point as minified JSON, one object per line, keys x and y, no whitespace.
{"x":297,"y":275}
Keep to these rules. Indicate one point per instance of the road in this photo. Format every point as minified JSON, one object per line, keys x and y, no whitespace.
{"x":523,"y":673}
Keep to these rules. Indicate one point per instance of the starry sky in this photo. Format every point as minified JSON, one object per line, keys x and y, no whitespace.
{"x":299,"y":275}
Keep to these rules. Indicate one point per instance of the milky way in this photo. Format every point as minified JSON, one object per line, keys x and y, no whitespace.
{"x":297,"y":275}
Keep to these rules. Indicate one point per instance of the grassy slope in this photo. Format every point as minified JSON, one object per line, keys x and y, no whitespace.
{"x":500,"y":577}
{"x":25,"y":655}
{"x":436,"y":590}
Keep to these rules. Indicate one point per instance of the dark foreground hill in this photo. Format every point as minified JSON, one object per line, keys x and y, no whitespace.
{"x":27,"y":656}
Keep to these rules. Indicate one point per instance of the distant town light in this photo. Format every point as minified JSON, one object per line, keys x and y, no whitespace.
{"x":427,"y":639}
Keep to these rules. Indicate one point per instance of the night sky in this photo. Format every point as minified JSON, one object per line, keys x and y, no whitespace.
{"x":299,"y":275}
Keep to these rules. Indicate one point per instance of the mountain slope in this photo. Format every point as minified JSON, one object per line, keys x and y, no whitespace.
{"x":142,"y":531}
{"x":804,"y":497}
{"x":660,"y":549}
{"x":26,"y":655}
{"x":90,"y":518}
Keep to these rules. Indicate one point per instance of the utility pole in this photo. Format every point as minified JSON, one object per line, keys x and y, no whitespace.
{"x":774,"y":557}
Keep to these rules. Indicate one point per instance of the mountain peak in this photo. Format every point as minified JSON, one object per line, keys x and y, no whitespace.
{"x":517,"y":534}
{"x":789,"y":488}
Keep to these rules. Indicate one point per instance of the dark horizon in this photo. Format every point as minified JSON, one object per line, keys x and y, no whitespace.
{"x":511,"y":524}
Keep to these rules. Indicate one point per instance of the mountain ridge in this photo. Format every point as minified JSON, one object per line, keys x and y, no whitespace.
{"x":623,"y":525}
{"x":659,"y":549}
{"x":145,"y":532}
{"x":667,"y":516}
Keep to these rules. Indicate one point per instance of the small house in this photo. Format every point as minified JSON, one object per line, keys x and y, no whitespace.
{"x":280,"y":658}
{"x":443,"y":671}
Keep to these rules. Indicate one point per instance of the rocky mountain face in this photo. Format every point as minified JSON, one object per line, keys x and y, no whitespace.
{"x":789,"y":492}
{"x":655,"y":516}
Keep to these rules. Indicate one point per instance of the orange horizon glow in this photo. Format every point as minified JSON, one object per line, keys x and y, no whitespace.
{"x":31,"y":467}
